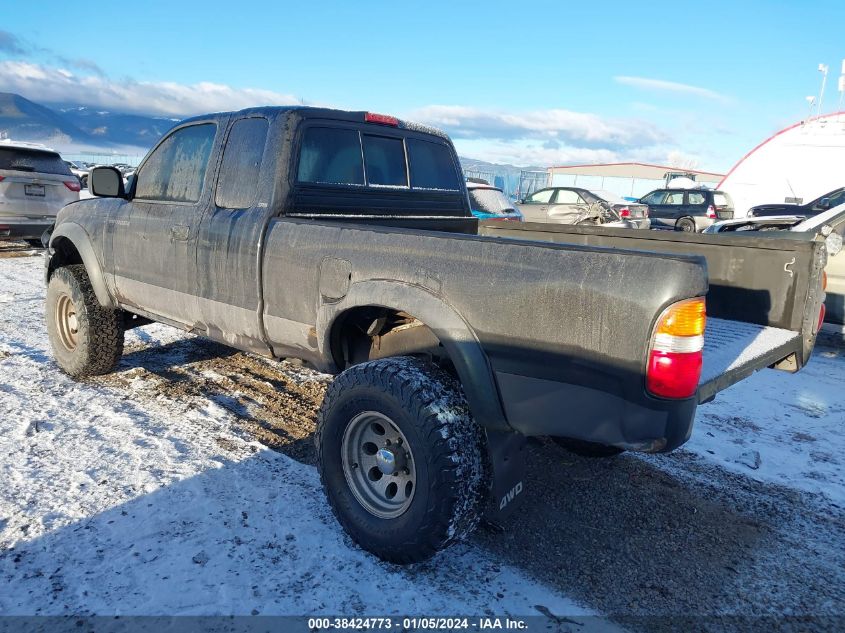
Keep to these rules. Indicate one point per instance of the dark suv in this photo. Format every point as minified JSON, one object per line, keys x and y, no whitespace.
{"x":689,"y":210}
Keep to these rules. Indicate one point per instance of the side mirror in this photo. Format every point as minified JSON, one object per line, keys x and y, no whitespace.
{"x":823,"y":204}
{"x":106,"y":182}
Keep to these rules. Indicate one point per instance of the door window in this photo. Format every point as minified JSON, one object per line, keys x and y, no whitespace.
{"x":567,"y":196}
{"x":674,"y":197}
{"x":175,"y":171}
{"x":237,"y":185}
{"x":696,"y":197}
{"x":543,"y":196}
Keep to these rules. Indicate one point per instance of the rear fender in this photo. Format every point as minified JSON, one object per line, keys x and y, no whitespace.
{"x":458,"y":339}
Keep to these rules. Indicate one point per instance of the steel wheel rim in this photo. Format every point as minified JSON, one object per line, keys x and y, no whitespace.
{"x":67,"y":322}
{"x":378,"y":465}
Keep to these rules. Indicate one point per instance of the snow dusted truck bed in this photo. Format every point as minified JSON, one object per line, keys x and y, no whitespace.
{"x":346,"y":239}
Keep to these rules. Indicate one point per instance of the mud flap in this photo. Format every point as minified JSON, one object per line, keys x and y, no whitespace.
{"x":506,"y":452}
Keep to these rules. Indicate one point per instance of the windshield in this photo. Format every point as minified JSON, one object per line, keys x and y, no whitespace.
{"x":490,"y":201}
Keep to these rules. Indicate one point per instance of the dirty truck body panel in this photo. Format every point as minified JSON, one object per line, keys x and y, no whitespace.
{"x":268,"y":249}
{"x":764,"y":292}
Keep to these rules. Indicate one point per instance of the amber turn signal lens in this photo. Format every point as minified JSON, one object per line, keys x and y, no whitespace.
{"x":685,"y":318}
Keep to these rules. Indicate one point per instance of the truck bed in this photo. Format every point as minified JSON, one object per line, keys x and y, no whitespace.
{"x":763,"y":299}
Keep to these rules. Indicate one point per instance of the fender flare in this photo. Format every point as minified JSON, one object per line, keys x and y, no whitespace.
{"x":77,"y":236}
{"x":460,"y":342}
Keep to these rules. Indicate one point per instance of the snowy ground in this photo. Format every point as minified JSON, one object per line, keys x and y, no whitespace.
{"x":153,"y":491}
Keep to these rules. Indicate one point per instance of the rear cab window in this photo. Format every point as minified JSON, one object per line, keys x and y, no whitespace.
{"x":351,"y":169}
{"x":32,"y":161}
{"x":334,"y":155}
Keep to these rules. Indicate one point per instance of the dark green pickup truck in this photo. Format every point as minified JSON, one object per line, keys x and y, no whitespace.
{"x":345,"y":239}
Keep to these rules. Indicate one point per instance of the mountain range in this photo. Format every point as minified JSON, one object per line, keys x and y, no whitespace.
{"x":70,"y":127}
{"x":65,"y":126}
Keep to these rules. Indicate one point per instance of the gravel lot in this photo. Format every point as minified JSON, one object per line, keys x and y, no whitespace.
{"x":701,"y":532}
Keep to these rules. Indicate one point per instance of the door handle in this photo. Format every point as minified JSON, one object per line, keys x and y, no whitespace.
{"x":180,"y":232}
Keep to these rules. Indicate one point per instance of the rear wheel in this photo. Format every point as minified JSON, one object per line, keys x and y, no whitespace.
{"x":687,"y":225}
{"x":401,"y":460}
{"x":87,"y":339}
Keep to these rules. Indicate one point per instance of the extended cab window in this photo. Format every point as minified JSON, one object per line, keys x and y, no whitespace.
{"x":175,"y":171}
{"x":331,"y":156}
{"x":238,"y":182}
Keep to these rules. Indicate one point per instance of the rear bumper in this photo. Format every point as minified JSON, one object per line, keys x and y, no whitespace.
{"x":536,"y":406}
{"x":24,"y":228}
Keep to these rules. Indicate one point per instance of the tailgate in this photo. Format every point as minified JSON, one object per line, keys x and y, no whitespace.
{"x":765,"y":292}
{"x":733,"y":350}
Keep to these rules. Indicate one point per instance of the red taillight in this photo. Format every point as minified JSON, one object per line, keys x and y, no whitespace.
{"x":624,"y":212}
{"x":822,"y":312}
{"x":711,"y":211}
{"x":676,"y":355}
{"x":383,"y":119}
{"x":73,"y":185}
{"x":672,"y":374}
{"x":2,"y":177}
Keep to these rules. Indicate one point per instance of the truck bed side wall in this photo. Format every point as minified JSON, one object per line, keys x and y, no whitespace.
{"x":577,"y":318}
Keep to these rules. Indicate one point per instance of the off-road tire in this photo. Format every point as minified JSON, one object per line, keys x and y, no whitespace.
{"x":686,"y":225}
{"x":99,"y":336}
{"x":587,"y":449}
{"x":428,"y":406}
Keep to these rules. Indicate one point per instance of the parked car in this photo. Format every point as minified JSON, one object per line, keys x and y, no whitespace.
{"x":35,"y":183}
{"x":575,"y":205}
{"x":830,"y":224}
{"x":346,"y":239}
{"x":822,"y":203}
{"x":490,"y":203}
{"x":80,"y":170}
{"x":688,"y":210}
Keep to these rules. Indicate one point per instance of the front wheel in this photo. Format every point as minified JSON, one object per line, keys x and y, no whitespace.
{"x":87,"y":339}
{"x":401,"y":460}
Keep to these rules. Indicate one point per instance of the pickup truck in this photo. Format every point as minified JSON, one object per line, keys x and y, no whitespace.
{"x":345,"y":239}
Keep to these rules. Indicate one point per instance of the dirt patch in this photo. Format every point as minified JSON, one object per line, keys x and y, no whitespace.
{"x":274,"y":402}
{"x":9,"y":250}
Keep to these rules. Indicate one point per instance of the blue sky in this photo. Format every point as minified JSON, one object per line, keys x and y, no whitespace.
{"x":530,"y":83}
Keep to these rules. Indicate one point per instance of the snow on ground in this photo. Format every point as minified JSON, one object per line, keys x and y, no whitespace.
{"x":121,"y":502}
{"x":120,"y":496}
{"x":785,"y":428}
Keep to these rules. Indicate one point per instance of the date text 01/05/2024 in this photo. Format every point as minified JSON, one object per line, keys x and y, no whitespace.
{"x":420,"y":623}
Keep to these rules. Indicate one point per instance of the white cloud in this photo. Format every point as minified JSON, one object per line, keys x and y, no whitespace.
{"x":44,"y":84}
{"x":562,"y":126}
{"x":646,"y":83}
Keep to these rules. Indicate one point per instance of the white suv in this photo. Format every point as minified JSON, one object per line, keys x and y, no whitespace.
{"x":34,"y":184}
